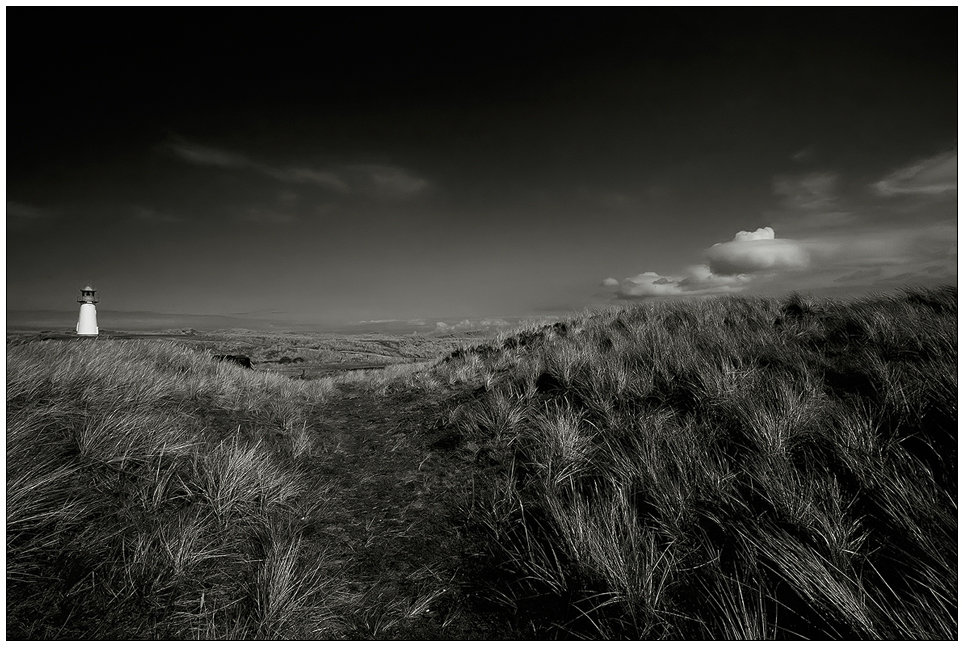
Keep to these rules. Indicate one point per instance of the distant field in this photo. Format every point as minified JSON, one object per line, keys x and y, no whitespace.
{"x":307,"y":355}
{"x":737,"y":468}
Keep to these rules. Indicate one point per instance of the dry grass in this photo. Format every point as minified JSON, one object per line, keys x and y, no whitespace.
{"x":141,"y":479}
{"x":737,"y":468}
{"x":734,"y":468}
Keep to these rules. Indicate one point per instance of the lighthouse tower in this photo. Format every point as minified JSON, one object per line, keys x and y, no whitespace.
{"x":87,"y":322}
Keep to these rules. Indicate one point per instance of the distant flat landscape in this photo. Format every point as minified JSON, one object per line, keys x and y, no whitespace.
{"x":302,"y":355}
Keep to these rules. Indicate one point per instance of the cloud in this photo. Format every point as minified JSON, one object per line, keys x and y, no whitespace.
{"x":804,"y":155}
{"x":730,"y":267}
{"x":836,"y":241}
{"x":205,"y":156}
{"x":498,"y":321}
{"x":872,"y":255}
{"x":875,"y":255}
{"x":20,"y":215}
{"x":703,"y":278}
{"x":649,"y":284}
{"x":910,"y":245}
{"x":930,"y":177}
{"x":372,"y":180}
{"x":462,"y":325}
{"x":809,"y":201}
{"x":756,"y":252}
{"x":392,"y":181}
{"x":763,"y":233}
{"x":468,"y":324}
{"x":306,"y":176}
{"x":810,"y":192}
{"x":698,"y":280}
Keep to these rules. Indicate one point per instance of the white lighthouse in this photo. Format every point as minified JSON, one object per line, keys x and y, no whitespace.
{"x":87,"y":322}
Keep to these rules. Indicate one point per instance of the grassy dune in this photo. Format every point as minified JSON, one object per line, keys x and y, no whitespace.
{"x":733,"y":468}
{"x":737,"y":468}
{"x":151,"y":491}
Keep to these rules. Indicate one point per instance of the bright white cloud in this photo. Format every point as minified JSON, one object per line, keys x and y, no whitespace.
{"x":649,"y":284}
{"x":763,"y":233}
{"x":730,"y":267}
{"x":838,"y":242}
{"x":698,"y":280}
{"x":753,"y":256}
{"x":932,"y":176}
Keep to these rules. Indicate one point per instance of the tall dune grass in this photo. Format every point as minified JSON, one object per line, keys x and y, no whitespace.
{"x":153,"y":493}
{"x":741,"y":468}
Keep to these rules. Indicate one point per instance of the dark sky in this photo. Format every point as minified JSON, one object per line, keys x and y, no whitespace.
{"x":324,"y":165}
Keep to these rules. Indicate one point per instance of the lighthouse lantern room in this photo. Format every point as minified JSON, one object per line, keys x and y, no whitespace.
{"x":87,"y":322}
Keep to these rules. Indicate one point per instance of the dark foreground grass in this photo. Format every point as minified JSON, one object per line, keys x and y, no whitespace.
{"x":152,"y":492}
{"x":737,"y":468}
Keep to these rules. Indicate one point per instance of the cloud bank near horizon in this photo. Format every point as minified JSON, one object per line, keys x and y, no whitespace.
{"x":841,"y":241}
{"x":730,"y":267}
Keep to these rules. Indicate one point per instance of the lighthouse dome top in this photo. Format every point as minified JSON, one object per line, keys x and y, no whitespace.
{"x":87,"y":295}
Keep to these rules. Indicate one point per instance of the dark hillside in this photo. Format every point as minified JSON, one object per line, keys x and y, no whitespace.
{"x":735,"y":468}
